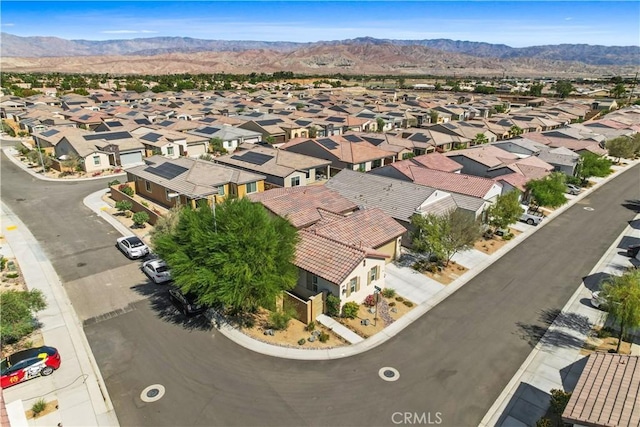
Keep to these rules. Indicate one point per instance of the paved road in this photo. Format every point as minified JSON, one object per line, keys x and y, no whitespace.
{"x":453,"y":361}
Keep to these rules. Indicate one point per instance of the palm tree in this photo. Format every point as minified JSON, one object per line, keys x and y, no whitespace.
{"x":515,"y":130}
{"x":480,"y":138}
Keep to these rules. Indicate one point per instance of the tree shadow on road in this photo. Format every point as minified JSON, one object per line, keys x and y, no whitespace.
{"x":158,"y":297}
{"x":539,"y":332}
{"x":632,"y":205}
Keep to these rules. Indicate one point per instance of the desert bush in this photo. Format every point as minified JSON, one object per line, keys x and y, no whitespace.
{"x":18,"y":308}
{"x":38,"y":406}
{"x":279,"y":320}
{"x":324,"y":337}
{"x":392,"y":304}
{"x":544,"y":422}
{"x":333,"y":305}
{"x":399,"y":299}
{"x":350,"y":310}
{"x":559,"y":400}
{"x":126,"y":190}
{"x":140,"y":218}
{"x":408,"y":303}
{"x":3,"y":262}
{"x":123,"y":205}
{"x":311,"y":326}
{"x":301,"y":341}
{"x":112,"y":183}
{"x":388,"y":292}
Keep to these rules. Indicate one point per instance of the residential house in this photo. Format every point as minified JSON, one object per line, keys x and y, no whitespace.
{"x":342,"y":152}
{"x":607,"y":393}
{"x":561,"y":158}
{"x":186,"y":181}
{"x":269,"y":129}
{"x":281,"y":168}
{"x":231,"y":136}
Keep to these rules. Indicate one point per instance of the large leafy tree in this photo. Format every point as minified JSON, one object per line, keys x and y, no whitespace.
{"x":593,"y":165}
{"x":621,"y":147}
{"x":548,"y":191}
{"x":618,"y":90}
{"x":622,"y":296}
{"x":18,"y":309}
{"x":243,"y":261}
{"x":506,"y":210}
{"x":445,"y":235}
{"x":536,"y":89}
{"x":563,"y":88}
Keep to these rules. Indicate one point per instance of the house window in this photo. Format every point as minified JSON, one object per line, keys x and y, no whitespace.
{"x":295,"y":181}
{"x":376,"y":163}
{"x":147,"y":186}
{"x":374,"y":273}
{"x":251,"y":187}
{"x":96,"y":160}
{"x":169,"y":151}
{"x":362,"y":167}
{"x":221,"y":190}
{"x":167,"y":194}
{"x":353,"y":286}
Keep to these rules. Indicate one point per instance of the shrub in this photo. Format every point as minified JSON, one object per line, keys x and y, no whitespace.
{"x":399,"y":299}
{"x":507,"y":236}
{"x":145,"y":204}
{"x":311,"y":326}
{"x":128,"y":214}
{"x":370,"y":301}
{"x":279,"y":320}
{"x":544,"y":422}
{"x":112,"y":183}
{"x":301,"y":341}
{"x":408,"y":303}
{"x":98,"y":173}
{"x":333,"y":305}
{"x":559,"y":400}
{"x":388,"y":292}
{"x":3,"y":262}
{"x":65,"y":173}
{"x":123,"y":205}
{"x":140,"y":218}
{"x":350,"y":310}
{"x":604,"y":333}
{"x":117,"y":170}
{"x":22,"y":149}
{"x":392,"y":304}
{"x":12,"y":275}
{"x":126,"y":189}
{"x":324,"y":337}
{"x":17,"y":309}
{"x":249,"y":322}
{"x":38,"y":406}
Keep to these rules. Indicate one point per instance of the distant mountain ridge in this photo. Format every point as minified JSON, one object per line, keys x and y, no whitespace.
{"x":40,"y":47}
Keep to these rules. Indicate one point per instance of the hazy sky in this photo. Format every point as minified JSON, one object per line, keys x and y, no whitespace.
{"x":514,"y":23}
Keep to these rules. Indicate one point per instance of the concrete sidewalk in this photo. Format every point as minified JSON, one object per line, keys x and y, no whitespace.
{"x":77,"y":385}
{"x":557,"y":361}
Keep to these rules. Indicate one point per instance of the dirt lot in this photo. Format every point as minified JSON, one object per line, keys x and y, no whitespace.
{"x":489,"y":246}
{"x":389,"y":310}
{"x":603,"y":344}
{"x":448,"y":274}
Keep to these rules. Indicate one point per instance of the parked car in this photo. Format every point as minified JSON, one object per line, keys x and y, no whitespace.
{"x":632,"y":250}
{"x":185,"y":302}
{"x":573,"y":189}
{"x":531,"y":217}
{"x":598,"y":300}
{"x":27,"y":364}
{"x":132,"y":247}
{"x":157,"y":270}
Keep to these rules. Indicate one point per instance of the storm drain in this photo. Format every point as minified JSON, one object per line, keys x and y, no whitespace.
{"x":389,"y":374}
{"x":152,"y":393}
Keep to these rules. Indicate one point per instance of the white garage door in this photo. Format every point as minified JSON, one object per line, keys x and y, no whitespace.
{"x":130,"y":158}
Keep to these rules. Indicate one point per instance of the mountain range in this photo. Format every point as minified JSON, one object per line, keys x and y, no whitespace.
{"x":352,"y":56}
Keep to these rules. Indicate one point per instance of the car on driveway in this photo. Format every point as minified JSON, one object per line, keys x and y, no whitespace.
{"x":531,"y":217}
{"x":27,"y":364}
{"x":573,"y":189}
{"x":186,"y":303}
{"x":132,"y":246}
{"x":157,"y":270}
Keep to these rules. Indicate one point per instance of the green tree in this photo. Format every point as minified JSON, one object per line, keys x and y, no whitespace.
{"x":618,"y":90}
{"x":592,"y":164}
{"x":563,"y":88}
{"x":140,"y":219}
{"x":123,"y":205}
{"x":480,"y":138}
{"x":622,"y":294}
{"x":380,"y":124}
{"x":313,"y":132}
{"x":243,"y":262}
{"x":536,"y":89}
{"x":548,"y":191}
{"x":515,"y":130}
{"x":217,"y":145}
{"x":506,"y":210}
{"x":18,"y":309}
{"x":621,"y":147}
{"x":433,"y":115}
{"x":445,"y":235}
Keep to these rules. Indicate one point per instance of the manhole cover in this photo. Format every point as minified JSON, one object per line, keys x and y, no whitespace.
{"x":152,"y":393}
{"x":588,"y":208}
{"x":389,"y":374}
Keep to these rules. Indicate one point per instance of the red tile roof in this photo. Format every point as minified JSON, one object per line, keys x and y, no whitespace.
{"x":607,"y":393}
{"x":455,"y":182}
{"x":436,"y":161}
{"x":301,"y":205}
{"x":368,"y":228}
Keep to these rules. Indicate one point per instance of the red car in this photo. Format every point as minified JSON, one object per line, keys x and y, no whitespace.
{"x":27,"y":364}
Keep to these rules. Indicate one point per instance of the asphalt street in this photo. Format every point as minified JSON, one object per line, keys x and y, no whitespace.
{"x":453,"y":362}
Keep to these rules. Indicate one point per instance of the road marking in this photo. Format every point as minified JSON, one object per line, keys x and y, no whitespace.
{"x":104,"y":208}
{"x":11,"y":227}
{"x":588,"y":208}
{"x":152,"y":393}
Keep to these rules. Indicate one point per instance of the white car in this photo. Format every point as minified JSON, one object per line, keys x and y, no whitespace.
{"x":573,"y":189}
{"x":132,"y":247}
{"x":157,"y":270}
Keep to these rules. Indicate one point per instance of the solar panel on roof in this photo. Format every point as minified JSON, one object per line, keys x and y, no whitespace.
{"x":208,"y":120}
{"x":374,"y":141}
{"x":114,"y":124}
{"x":209,"y":130}
{"x":352,"y":138}
{"x":109,"y":136}
{"x":165,"y":123}
{"x":152,"y":137}
{"x":254,"y":114}
{"x":167,"y":170}
{"x":50,"y":132}
{"x":253,"y":158}
{"x":142,"y":121}
{"x":335,"y":119}
{"x":328,"y":143}
{"x":367,"y":115}
{"x":85,"y":117}
{"x":270,"y":122}
{"x":419,"y":137}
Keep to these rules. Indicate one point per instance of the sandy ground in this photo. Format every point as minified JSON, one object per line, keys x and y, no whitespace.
{"x":389,"y":310}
